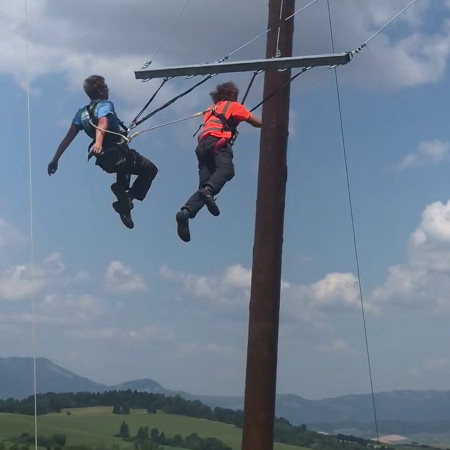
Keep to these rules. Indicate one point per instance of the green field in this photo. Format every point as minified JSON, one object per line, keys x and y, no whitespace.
{"x":96,"y":426}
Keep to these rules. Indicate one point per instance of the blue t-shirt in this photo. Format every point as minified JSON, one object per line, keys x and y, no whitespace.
{"x":102,"y":108}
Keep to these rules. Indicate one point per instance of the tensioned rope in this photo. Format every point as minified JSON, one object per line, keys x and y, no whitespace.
{"x":135,"y":122}
{"x":250,"y":84}
{"x":128,"y":139}
{"x":149,"y":61}
{"x":355,"y":246}
{"x":164,"y":39}
{"x":265,"y":32}
{"x":33,"y":287}
{"x":352,"y":220}
{"x":256,"y":72}
{"x":364,"y":44}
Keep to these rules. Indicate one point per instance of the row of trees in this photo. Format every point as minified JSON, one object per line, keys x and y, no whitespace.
{"x":288,"y":434}
{"x":122,"y":401}
{"x":17,"y":446}
{"x":193,"y":441}
{"x":26,"y":440}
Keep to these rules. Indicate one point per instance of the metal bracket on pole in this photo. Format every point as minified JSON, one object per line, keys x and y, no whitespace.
{"x":246,"y":66}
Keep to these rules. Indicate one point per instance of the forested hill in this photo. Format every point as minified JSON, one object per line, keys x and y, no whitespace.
{"x":122,"y":402}
{"x":16,"y":381}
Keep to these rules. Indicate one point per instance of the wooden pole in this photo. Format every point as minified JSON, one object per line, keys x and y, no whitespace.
{"x":260,"y":385}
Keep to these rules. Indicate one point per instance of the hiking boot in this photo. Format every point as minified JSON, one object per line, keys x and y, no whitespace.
{"x":210,"y":203}
{"x":125,"y":216}
{"x":183,"y":225}
{"x":124,"y":199}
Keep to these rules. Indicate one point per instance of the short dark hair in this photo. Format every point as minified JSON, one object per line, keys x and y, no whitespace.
{"x":92,"y":86}
{"x":225,"y":91}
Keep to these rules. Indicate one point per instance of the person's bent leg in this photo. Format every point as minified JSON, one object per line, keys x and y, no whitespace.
{"x":146,"y":172}
{"x":206,"y":167}
{"x":205,"y":191}
{"x":182,"y":218}
{"x":195,"y":202}
{"x":124,"y":204}
{"x":224,"y":170}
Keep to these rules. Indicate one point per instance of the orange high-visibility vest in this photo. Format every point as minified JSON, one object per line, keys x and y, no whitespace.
{"x":215,"y":121}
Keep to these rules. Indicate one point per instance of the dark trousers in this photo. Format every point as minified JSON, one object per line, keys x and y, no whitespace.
{"x":215,"y":168}
{"x":125,"y":162}
{"x":139,"y":165}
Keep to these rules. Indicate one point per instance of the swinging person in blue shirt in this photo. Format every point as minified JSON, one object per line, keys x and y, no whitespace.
{"x":111,"y":152}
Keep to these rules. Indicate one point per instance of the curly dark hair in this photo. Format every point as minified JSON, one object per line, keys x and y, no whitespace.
{"x":225,"y":91}
{"x":92,"y":86}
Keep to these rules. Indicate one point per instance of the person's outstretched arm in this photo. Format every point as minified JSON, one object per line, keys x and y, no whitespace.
{"x":254,"y":121}
{"x":67,"y":140}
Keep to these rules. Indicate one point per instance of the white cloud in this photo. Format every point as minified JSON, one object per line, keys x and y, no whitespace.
{"x":335,"y":346}
{"x":335,"y":288}
{"x":222,"y":351}
{"x":434,"y":227}
{"x":54,"y":264}
{"x":317,"y":302}
{"x":428,"y":152}
{"x":430,"y":369}
{"x":237,"y":276}
{"x":120,"y":278}
{"x":436,"y":364}
{"x":59,"y":309}
{"x":149,"y":334}
{"x":81,"y":277}
{"x":336,"y":292}
{"x":69,"y":309}
{"x":64,"y":40}
{"x":9,"y":236}
{"x":423,"y":279}
{"x":22,"y":280}
{"x":405,"y":54}
{"x":16,"y":283}
{"x":229,"y":288}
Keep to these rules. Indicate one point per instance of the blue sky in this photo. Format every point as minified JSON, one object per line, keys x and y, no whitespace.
{"x":114,"y":305}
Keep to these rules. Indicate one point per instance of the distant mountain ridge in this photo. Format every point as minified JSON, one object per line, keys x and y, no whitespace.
{"x":16,"y":378}
{"x":16,"y":381}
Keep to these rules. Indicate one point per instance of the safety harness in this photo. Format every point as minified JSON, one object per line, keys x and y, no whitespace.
{"x":220,"y":123}
{"x":114,"y":155}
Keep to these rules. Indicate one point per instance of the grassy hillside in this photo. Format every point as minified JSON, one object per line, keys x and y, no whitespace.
{"x":96,"y":425}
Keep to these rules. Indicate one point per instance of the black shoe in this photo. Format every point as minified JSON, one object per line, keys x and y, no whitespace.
{"x":183,"y":225}
{"x":209,"y":201}
{"x":125,"y":217}
{"x":124,"y":200}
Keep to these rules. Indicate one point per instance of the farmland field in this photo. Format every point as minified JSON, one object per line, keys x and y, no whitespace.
{"x":97,"y":425}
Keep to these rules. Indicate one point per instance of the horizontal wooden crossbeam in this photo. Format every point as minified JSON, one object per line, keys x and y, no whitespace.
{"x":245,"y":66}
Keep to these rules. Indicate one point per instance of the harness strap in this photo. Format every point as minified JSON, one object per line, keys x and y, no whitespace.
{"x":220,"y":119}
{"x":219,"y":144}
{"x":90,"y":110}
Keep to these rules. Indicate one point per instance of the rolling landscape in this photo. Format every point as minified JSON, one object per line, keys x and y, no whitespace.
{"x":415,"y":416}
{"x":97,"y":425}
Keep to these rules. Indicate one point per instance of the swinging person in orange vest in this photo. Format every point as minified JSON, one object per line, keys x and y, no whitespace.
{"x":215,"y":153}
